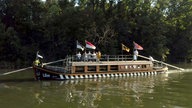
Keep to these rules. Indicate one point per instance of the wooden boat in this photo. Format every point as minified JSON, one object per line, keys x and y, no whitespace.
{"x":106,"y":66}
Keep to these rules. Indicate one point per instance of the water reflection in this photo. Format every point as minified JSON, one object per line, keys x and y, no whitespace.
{"x":109,"y":92}
{"x":162,"y":90}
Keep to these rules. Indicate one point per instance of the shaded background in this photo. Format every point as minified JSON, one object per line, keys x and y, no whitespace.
{"x":162,"y":27}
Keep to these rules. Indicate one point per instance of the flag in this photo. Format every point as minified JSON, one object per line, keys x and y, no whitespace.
{"x":79,"y":46}
{"x":39,"y":56}
{"x":137,"y":46}
{"x":89,"y":45}
{"x":125,"y":48}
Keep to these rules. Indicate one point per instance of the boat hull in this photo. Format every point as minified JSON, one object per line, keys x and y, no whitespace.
{"x":42,"y":73}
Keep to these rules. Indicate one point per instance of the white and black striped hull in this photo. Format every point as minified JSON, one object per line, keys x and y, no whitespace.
{"x":43,"y":74}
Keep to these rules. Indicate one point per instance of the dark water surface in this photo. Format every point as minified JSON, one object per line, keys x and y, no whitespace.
{"x":172,"y":90}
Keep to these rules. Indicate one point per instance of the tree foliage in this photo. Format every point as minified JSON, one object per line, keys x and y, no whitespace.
{"x":162,"y":27}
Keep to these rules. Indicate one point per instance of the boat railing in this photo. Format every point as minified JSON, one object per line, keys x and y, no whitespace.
{"x":158,"y":64}
{"x":116,"y":58}
{"x":106,"y":58}
{"x":56,"y":68}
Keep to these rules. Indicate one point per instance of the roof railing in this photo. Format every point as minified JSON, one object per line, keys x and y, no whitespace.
{"x":102,"y":58}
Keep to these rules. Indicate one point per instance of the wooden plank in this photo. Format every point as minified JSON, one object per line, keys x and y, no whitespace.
{"x":111,"y":63}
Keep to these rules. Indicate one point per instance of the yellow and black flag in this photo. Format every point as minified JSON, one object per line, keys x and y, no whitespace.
{"x":125,"y":48}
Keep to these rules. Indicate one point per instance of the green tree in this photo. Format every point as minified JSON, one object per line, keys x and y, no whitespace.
{"x":179,"y":25}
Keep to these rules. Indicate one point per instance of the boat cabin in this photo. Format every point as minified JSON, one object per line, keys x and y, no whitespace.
{"x":106,"y":63}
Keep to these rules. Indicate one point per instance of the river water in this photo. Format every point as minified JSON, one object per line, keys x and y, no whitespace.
{"x":170,"y":90}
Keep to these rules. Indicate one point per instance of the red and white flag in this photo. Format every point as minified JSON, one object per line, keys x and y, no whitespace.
{"x":137,"y":46}
{"x":89,"y":45}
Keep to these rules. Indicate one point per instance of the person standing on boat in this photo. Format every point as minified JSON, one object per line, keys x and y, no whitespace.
{"x":135,"y":54}
{"x":38,"y":60}
{"x":85,"y":56}
{"x":151,"y":58}
{"x":78,"y":56}
{"x":94,"y":56}
{"x":98,"y":55}
{"x":89,"y":56}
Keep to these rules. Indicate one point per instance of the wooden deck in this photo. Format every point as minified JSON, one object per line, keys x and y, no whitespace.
{"x":90,"y":63}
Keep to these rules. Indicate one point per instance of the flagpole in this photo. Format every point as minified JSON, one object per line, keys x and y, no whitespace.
{"x":121,"y":50}
{"x":76,"y":47}
{"x":85,"y":46}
